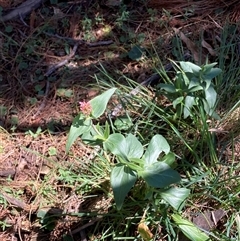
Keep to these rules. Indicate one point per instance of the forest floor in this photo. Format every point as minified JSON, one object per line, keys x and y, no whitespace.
{"x":57,"y":56}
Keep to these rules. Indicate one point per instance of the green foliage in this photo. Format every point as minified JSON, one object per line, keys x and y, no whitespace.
{"x":99,"y":103}
{"x":175,"y":197}
{"x":4,"y":225}
{"x":36,"y":134}
{"x":136,"y":53}
{"x":192,"y":90}
{"x":47,"y":220}
{"x":122,"y":179}
{"x":132,"y":161}
{"x":82,"y":124}
{"x":189,"y":229}
{"x":129,"y":152}
{"x":52,"y":151}
{"x":79,"y":126}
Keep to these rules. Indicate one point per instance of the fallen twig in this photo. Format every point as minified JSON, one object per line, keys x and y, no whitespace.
{"x":63,"y":62}
{"x":100,"y":43}
{"x":22,"y":10}
{"x":85,"y":226}
{"x":80,"y":41}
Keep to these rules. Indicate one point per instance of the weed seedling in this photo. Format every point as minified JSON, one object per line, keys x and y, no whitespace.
{"x":132,"y":162}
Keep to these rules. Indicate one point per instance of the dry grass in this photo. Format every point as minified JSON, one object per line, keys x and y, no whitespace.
{"x":199,"y":7}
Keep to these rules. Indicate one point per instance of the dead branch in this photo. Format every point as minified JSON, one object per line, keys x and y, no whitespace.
{"x":85,"y":226}
{"x":63,"y":62}
{"x":80,"y":41}
{"x":22,"y":10}
{"x":100,"y":43}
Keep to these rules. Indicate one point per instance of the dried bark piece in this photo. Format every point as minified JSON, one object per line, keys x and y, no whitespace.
{"x":7,"y":173}
{"x":209,"y":48}
{"x":209,"y":219}
{"x":191,"y":46}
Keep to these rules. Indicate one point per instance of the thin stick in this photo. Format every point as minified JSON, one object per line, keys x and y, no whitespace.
{"x":80,"y":41}
{"x":22,"y":10}
{"x":85,"y":226}
{"x":63,"y":62}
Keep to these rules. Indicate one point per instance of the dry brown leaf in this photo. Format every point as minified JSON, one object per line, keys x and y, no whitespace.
{"x":209,"y":219}
{"x":208,"y":47}
{"x":144,"y":231}
{"x":58,"y":13}
{"x":191,"y":46}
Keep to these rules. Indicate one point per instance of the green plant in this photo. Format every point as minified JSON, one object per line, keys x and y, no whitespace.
{"x":122,"y":18}
{"x":132,"y":162}
{"x":36,"y":134}
{"x":3,"y":201}
{"x":47,"y":220}
{"x":4,"y":225}
{"x":87,"y":25}
{"x":193,"y":89}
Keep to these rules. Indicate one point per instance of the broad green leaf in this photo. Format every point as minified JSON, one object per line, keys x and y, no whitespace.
{"x":128,"y":147}
{"x":175,"y":197}
{"x":134,"y":148}
{"x":207,"y":67}
{"x":195,"y":88}
{"x":185,"y":79}
{"x":122,"y":180}
{"x":209,"y":74}
{"x":159,"y":175}
{"x":136,"y":161}
{"x":107,"y":130}
{"x":157,"y":145}
{"x":136,"y":53}
{"x":116,"y":144}
{"x":177,"y":101}
{"x":193,"y":83}
{"x":91,"y":137}
{"x":214,"y":72}
{"x":215,"y":116}
{"x":211,"y":97}
{"x":189,"y":103}
{"x":169,"y":159}
{"x":79,"y":126}
{"x":99,"y":103}
{"x":167,"y":87}
{"x":206,"y":106}
{"x":123,"y":123}
{"x":189,"y":67}
{"x":189,"y":229}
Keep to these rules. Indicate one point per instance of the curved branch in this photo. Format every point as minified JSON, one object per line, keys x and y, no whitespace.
{"x":22,"y":10}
